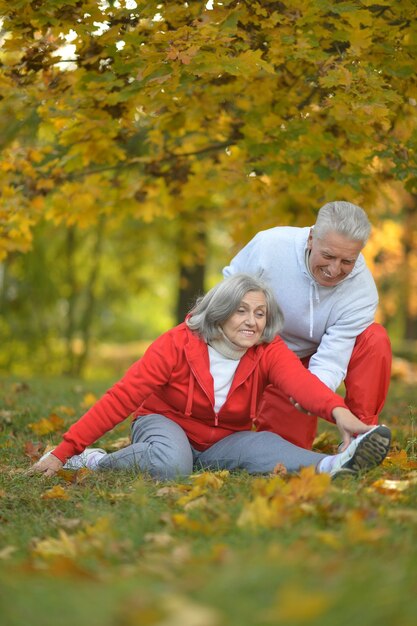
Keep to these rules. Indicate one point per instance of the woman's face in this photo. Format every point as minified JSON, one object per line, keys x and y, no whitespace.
{"x":245,"y":326}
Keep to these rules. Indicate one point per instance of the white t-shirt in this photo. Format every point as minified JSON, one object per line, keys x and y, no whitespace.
{"x":222,"y":370}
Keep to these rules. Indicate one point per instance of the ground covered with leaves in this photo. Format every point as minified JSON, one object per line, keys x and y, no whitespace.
{"x":217,"y":549}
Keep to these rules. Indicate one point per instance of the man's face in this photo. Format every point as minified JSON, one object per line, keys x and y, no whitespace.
{"x":332,"y":257}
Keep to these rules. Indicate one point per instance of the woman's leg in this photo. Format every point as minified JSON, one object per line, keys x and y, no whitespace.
{"x":159,"y":447}
{"x":255,"y":452}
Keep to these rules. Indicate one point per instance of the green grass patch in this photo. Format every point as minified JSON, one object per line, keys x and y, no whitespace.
{"x":218,"y":549}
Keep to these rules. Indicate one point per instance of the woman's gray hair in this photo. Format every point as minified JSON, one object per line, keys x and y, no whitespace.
{"x":344,"y":218}
{"x":213,"y":309}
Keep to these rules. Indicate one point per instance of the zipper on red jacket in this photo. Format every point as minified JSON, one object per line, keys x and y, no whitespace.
{"x":193,"y":378}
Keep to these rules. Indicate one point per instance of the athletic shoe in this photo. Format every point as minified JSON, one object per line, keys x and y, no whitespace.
{"x":89,"y":458}
{"x":364,"y":453}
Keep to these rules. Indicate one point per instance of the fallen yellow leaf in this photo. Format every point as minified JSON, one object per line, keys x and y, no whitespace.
{"x":400,"y":460}
{"x":390,"y":487}
{"x":56,"y":492}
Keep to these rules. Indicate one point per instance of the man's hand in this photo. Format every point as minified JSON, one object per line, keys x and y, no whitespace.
{"x":299,"y":407}
{"x":348,"y":425}
{"x":48,"y":466}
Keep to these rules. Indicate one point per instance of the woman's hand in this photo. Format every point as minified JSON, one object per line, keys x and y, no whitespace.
{"x":348,"y":425}
{"x":48,"y":466}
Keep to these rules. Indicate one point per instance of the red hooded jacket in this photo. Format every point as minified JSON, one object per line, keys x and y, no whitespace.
{"x":173,"y":379}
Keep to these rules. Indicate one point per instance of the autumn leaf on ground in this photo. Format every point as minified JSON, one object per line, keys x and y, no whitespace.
{"x":92,"y":539}
{"x":196,"y":492}
{"x":33,"y":450}
{"x":393,"y":488}
{"x":56,"y":492}
{"x":261,"y":513}
{"x":308,"y":485}
{"x":88,"y":400}
{"x":173,"y":490}
{"x":74,"y":476}
{"x":47,"y":425}
{"x":400,"y":460}
{"x":214,"y":480}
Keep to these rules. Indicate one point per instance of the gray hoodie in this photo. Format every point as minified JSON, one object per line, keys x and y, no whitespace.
{"x":319,"y":321}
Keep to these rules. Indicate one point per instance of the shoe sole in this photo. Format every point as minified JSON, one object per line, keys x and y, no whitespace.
{"x":371,"y":451}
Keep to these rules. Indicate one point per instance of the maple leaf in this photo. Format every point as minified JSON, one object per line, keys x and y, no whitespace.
{"x":399,"y":460}
{"x":308,"y":485}
{"x":262,"y":512}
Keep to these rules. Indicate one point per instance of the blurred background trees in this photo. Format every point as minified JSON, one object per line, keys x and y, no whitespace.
{"x":143,"y":143}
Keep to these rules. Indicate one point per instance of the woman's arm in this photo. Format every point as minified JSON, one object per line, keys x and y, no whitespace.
{"x":142,"y":378}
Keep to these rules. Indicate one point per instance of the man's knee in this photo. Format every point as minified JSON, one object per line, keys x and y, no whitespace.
{"x":375,"y":336}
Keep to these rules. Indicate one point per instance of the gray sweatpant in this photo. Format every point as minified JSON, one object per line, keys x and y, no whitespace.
{"x":161,"y":448}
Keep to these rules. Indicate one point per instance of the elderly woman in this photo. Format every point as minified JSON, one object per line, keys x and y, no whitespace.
{"x":195,"y":394}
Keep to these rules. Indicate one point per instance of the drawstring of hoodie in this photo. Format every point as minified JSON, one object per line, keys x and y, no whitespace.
{"x":190,"y":395}
{"x":313,"y":291}
{"x":253,"y":402}
{"x":254,"y":395}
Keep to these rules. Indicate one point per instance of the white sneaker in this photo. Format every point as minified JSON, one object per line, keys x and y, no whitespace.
{"x":89,"y":459}
{"x":364,"y":453}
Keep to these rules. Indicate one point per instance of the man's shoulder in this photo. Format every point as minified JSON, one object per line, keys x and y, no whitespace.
{"x":282,"y":234}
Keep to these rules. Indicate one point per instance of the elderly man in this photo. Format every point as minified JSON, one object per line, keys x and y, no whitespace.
{"x":329,"y":298}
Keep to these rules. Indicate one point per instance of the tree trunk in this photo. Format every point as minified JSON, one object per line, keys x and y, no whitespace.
{"x":191,"y":276}
{"x":410,"y":278}
{"x":70,"y":249}
{"x":77,"y":358}
{"x":90,"y":301}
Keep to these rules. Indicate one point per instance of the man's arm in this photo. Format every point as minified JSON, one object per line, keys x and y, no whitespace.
{"x":331,"y":360}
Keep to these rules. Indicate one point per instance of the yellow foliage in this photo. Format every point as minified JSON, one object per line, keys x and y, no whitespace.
{"x":47,"y":425}
{"x":277,"y":501}
{"x":213,"y":480}
{"x":92,"y":539}
{"x":56,"y":492}
{"x":88,"y":400}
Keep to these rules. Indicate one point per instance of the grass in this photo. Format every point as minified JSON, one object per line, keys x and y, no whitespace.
{"x":117,"y":549}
